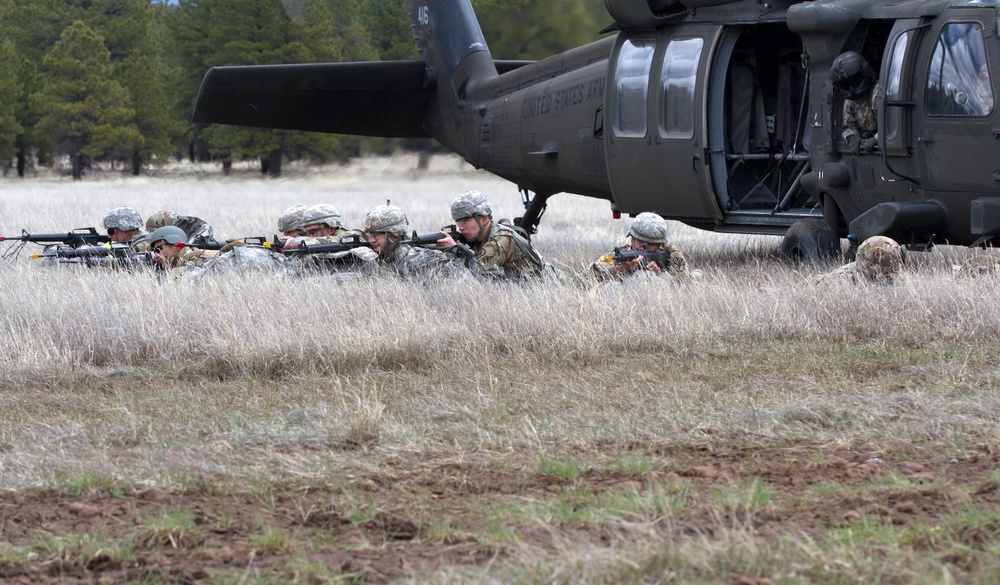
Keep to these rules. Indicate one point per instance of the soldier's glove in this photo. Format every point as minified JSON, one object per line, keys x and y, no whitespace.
{"x":854,"y":144}
{"x":869,"y":145}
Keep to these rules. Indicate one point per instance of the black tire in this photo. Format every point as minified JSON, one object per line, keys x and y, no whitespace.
{"x":808,"y":241}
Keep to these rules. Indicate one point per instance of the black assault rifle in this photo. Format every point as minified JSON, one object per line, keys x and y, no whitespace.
{"x":660,"y":257}
{"x":74,"y":239}
{"x":217,"y":245}
{"x":118,"y":256}
{"x":345,"y":244}
{"x":432,"y":239}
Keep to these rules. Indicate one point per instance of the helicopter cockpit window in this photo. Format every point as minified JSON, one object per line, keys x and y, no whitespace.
{"x":677,"y":83}
{"x":958,"y":83}
{"x":635,"y":60}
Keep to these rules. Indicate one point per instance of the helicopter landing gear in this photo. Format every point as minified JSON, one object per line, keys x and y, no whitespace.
{"x":808,"y":241}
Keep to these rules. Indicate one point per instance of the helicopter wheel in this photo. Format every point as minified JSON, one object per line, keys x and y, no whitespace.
{"x":808,"y":241}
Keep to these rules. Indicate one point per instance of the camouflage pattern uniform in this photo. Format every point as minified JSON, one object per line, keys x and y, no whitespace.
{"x":508,"y":251}
{"x":860,"y":116}
{"x":198,"y":231}
{"x":650,"y":228}
{"x":327,"y":215}
{"x":126,"y":219}
{"x":677,"y":267}
{"x":188,"y":258}
{"x":290,"y":219}
{"x":411,"y":262}
{"x":879,"y":260}
{"x":503,"y":251}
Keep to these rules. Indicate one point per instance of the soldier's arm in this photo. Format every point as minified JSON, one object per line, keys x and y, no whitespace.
{"x":497,"y":253}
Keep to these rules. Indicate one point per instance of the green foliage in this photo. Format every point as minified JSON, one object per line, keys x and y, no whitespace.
{"x":271,"y":541}
{"x":533,"y":29}
{"x":11,"y":90}
{"x":153,"y":56}
{"x":86,"y":109}
{"x":148,"y":98}
{"x":81,"y":548}
{"x":259,"y":32}
{"x":567,"y":469}
{"x":172,"y":528}
{"x":389,"y":27}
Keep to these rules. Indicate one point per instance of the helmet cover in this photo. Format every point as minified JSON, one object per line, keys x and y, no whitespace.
{"x":123,"y":219}
{"x":470,"y":204}
{"x":880,"y":259}
{"x":388,"y":219}
{"x":648,"y":227}
{"x":322,"y":213}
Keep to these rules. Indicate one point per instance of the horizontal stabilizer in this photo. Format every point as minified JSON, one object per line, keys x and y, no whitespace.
{"x":387,"y":98}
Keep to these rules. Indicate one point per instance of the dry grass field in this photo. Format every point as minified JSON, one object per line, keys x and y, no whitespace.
{"x":748,"y":429}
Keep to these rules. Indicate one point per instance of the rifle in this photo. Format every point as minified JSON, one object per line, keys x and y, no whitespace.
{"x":110,"y":255}
{"x":432,"y":239}
{"x":660,"y":257}
{"x":76,"y":238}
{"x":217,"y":245}
{"x":345,"y":244}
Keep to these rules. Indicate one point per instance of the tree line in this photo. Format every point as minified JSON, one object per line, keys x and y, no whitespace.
{"x":115,"y":81}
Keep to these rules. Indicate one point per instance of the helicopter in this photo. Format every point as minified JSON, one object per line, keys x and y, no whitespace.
{"x":720,"y":114}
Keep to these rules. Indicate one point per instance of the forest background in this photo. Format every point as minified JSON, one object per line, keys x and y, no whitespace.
{"x":115,"y":81}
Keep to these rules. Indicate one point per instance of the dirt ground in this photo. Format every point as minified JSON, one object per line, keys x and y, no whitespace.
{"x":922,"y":484}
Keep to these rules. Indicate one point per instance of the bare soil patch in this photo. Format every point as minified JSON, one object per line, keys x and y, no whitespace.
{"x":812,"y":487}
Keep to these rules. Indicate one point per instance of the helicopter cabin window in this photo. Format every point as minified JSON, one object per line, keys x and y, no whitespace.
{"x":635,"y":60}
{"x":958,"y":83}
{"x":677,"y":83}
{"x":893,"y":86}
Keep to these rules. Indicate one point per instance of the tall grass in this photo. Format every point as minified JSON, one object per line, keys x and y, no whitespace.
{"x":111,"y":372}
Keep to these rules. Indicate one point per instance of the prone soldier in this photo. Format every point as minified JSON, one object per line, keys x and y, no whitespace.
{"x":124,"y":225}
{"x":386,"y":227}
{"x":879,"y":260}
{"x":647,"y":252}
{"x":321,"y":224}
{"x":171,"y":252}
{"x":497,"y":247}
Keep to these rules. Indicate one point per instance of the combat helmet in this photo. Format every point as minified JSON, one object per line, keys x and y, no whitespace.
{"x":169,"y":234}
{"x":648,"y":227}
{"x":388,"y":219}
{"x":159,"y":219}
{"x":123,"y":219}
{"x":322,"y":213}
{"x":470,"y":204}
{"x":290,"y":219}
{"x":852,"y":74}
{"x":880,"y":259}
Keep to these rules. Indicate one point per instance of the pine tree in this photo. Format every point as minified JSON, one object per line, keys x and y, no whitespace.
{"x":86,"y":110}
{"x":11,"y":89}
{"x":148,"y":99}
{"x":262,"y":32}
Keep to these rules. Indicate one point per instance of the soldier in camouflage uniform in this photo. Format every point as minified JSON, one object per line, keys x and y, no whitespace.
{"x":198,"y":232}
{"x":498,"y":248}
{"x":290,"y":222}
{"x":124,"y":226}
{"x":386,"y":227}
{"x":322,"y":224}
{"x":879,"y":260}
{"x":855,"y":78}
{"x":171,"y":252}
{"x":647,"y":233}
